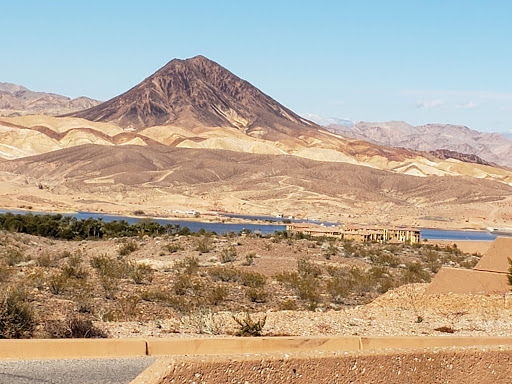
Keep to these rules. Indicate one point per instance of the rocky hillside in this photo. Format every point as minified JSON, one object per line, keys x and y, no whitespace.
{"x":17,"y":100}
{"x":492,"y":147}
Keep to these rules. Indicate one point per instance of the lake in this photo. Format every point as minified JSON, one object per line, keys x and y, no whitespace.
{"x":220,"y":228}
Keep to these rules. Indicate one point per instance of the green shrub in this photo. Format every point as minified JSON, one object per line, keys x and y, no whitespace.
{"x":17,"y":319}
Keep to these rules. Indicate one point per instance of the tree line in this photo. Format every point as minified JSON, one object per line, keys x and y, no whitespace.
{"x":70,"y":228}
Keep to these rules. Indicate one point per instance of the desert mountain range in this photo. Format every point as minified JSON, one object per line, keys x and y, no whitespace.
{"x":182,"y":132}
{"x":491,"y":147}
{"x":17,"y":100}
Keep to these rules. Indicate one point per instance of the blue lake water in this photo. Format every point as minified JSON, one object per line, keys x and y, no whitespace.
{"x":221,"y":228}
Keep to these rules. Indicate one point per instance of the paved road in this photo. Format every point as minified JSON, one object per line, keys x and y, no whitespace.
{"x":73,"y":371}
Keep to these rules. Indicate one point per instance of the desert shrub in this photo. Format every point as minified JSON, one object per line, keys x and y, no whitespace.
{"x":185,"y":284}
{"x":224,"y":274}
{"x":74,"y":267}
{"x":58,"y":282}
{"x":415,"y":274}
{"x":127,"y":248}
{"x":17,"y":318}
{"x":129,"y":306}
{"x":249,"y":259}
{"x":189,"y":266}
{"x":108,"y":266}
{"x":46,"y":260}
{"x":339,"y":288}
{"x":14,"y":256}
{"x":204,"y":245}
{"x":74,"y":327}
{"x":109,"y":271}
{"x":173,"y":248}
{"x":228,"y":255}
{"x":141,"y":272}
{"x":5,"y":272}
{"x":332,"y":250}
{"x":307,"y":288}
{"x":307,"y":268}
{"x":252,"y":279}
{"x":216,"y":294}
{"x":155,"y":295}
{"x":249,"y":326}
{"x":385,"y":259}
{"x":288,"y":305}
{"x":256,"y":295}
{"x":431,"y":258}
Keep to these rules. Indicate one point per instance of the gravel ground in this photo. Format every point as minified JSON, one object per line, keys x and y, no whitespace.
{"x":403,"y":311}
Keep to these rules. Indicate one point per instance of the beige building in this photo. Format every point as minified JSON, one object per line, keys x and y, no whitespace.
{"x":358,"y":232}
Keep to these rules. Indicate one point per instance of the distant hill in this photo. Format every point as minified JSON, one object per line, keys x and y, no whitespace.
{"x":491,"y":147}
{"x":16,"y":100}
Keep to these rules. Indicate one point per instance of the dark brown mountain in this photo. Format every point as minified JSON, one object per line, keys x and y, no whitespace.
{"x":197,"y":92}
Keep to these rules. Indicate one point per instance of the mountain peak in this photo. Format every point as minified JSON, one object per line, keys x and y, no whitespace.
{"x":197,"y":92}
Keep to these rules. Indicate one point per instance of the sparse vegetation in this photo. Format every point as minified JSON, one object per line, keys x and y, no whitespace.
{"x":77,"y":280}
{"x":17,"y":318}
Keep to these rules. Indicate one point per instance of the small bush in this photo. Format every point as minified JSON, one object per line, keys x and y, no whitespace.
{"x":216,"y":294}
{"x":141,"y":272}
{"x":249,"y":259}
{"x":74,"y":268}
{"x":57,"y":283}
{"x":288,"y":305}
{"x":252,"y":279}
{"x":256,"y":295}
{"x":204,"y":245}
{"x":173,"y":248}
{"x":306,"y":267}
{"x":14,"y":256}
{"x":17,"y":319}
{"x":5,"y":272}
{"x":224,"y":274}
{"x":248,"y":326}
{"x":189,"y":266}
{"x":127,"y":248}
{"x":73,"y":328}
{"x":228,"y":255}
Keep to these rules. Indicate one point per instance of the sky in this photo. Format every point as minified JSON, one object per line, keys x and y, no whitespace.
{"x":420,"y":61}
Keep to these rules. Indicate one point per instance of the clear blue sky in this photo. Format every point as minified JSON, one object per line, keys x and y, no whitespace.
{"x":444,"y":61}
